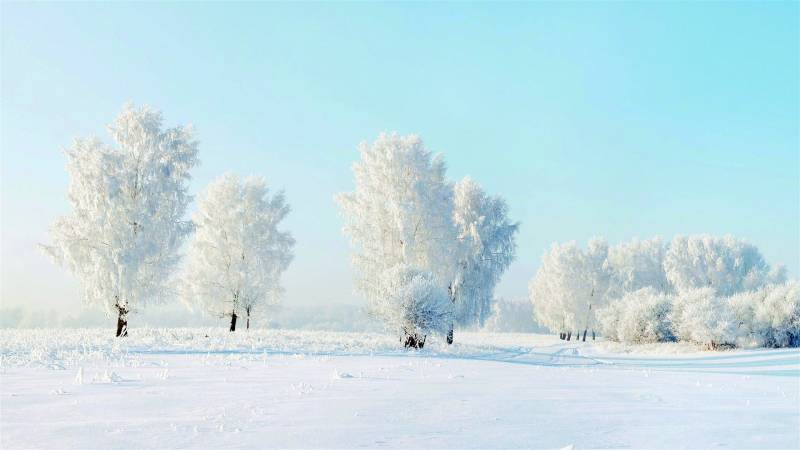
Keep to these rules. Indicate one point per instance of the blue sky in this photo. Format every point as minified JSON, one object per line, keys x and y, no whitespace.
{"x":611,"y":119}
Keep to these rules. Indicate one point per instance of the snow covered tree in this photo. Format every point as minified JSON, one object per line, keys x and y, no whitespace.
{"x":400,"y":216}
{"x":635,"y":265}
{"x":414,"y":302}
{"x":238,"y":254}
{"x":569,"y":284}
{"x":126,"y":227}
{"x":682,"y":292}
{"x":728,"y":265}
{"x":488,"y":247}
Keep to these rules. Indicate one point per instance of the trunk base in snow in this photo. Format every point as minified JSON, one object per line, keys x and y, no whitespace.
{"x":122,"y":322}
{"x":414,"y":341}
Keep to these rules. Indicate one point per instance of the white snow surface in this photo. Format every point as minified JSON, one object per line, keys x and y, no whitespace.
{"x":207,"y":388}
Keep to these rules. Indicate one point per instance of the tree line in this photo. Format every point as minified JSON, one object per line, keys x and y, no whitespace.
{"x":123,"y":237}
{"x":712,"y":291}
{"x":427,"y":251}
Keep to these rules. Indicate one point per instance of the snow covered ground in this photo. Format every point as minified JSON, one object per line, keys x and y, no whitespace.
{"x":206,"y":388}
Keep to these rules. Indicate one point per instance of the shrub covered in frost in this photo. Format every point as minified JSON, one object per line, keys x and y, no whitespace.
{"x":777,"y":318}
{"x":770,"y":316}
{"x":639,"y":317}
{"x":765,"y":317}
{"x":703,"y":317}
{"x":414,"y":303}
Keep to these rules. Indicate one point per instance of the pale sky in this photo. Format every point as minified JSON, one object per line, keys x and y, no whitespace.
{"x":593,"y":119}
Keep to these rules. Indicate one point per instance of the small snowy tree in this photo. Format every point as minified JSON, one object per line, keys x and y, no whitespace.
{"x":728,"y":265}
{"x":569,"y":284}
{"x":415,"y":303}
{"x":126,"y":226}
{"x":238,"y":254}
{"x":400,"y":215}
{"x":488,"y":247}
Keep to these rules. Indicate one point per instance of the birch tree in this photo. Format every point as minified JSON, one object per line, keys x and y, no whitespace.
{"x":238,"y":254}
{"x":487,"y":247}
{"x":569,"y":286}
{"x":126,"y":225}
{"x":400,"y":221}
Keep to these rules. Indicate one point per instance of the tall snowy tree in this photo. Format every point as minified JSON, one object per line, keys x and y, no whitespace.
{"x":400,"y":221}
{"x":727,"y":264}
{"x":126,"y":226}
{"x":488,"y":247}
{"x":238,"y":254}
{"x":636,"y":265}
{"x":569,"y":286}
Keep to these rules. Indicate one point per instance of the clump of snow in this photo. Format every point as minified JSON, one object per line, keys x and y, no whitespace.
{"x":341,"y":375}
{"x":107,"y":377}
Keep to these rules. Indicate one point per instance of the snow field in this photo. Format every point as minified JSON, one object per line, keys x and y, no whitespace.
{"x":177,"y":388}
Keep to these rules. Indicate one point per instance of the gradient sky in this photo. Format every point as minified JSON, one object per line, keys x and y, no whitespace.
{"x":592,"y":119}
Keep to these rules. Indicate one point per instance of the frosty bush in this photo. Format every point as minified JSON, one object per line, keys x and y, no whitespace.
{"x":703,"y":317}
{"x":415,"y":304}
{"x":777,"y":319}
{"x":765,"y":317}
{"x":714,"y":291}
{"x":770,"y":316}
{"x":639,"y":317}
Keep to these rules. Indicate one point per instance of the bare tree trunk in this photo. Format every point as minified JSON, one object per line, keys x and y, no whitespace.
{"x":592,"y":334}
{"x":122,"y":321}
{"x":584,"y":334}
{"x":452,"y":292}
{"x":233,"y":321}
{"x":569,"y":335}
{"x":414,"y":341}
{"x":248,"y":317}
